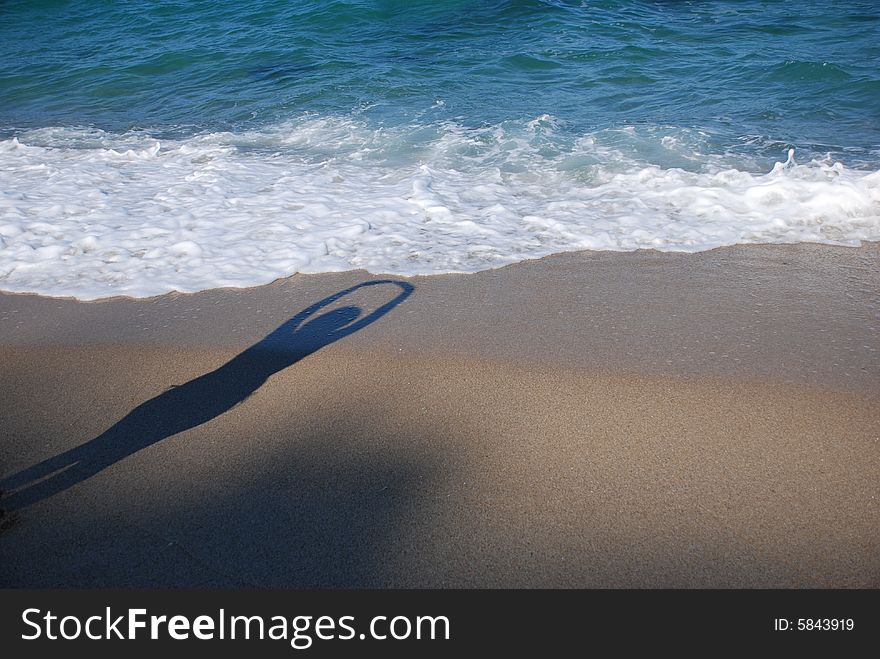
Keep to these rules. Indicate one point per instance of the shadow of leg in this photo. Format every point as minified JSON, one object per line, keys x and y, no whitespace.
{"x":48,"y":483}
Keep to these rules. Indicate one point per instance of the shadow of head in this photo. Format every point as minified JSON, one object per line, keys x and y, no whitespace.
{"x":307,"y":331}
{"x":326,"y":326}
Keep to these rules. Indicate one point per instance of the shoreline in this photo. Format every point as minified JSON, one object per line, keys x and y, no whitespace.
{"x":804,"y":313}
{"x":590,"y":419}
{"x":363,"y":273}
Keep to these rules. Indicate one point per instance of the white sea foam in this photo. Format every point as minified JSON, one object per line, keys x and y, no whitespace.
{"x":93,"y":214}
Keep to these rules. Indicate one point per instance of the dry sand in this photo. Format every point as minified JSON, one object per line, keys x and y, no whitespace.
{"x":586,"y":420}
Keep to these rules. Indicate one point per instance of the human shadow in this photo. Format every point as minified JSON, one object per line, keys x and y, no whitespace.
{"x":199,"y":400}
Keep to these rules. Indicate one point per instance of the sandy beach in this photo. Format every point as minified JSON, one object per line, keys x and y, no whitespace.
{"x":593,"y":419}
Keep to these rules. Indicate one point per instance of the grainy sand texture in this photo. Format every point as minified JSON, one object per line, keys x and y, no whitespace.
{"x":592,"y":419}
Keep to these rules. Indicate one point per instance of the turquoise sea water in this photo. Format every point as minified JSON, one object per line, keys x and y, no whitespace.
{"x":548,"y":99}
{"x":760,"y":73}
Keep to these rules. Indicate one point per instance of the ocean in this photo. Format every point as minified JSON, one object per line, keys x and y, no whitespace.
{"x":148,"y":147}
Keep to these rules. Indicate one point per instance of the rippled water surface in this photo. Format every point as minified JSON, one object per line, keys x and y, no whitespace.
{"x":155,"y":146}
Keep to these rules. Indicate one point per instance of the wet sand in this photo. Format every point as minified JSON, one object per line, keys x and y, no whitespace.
{"x":588,"y":420}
